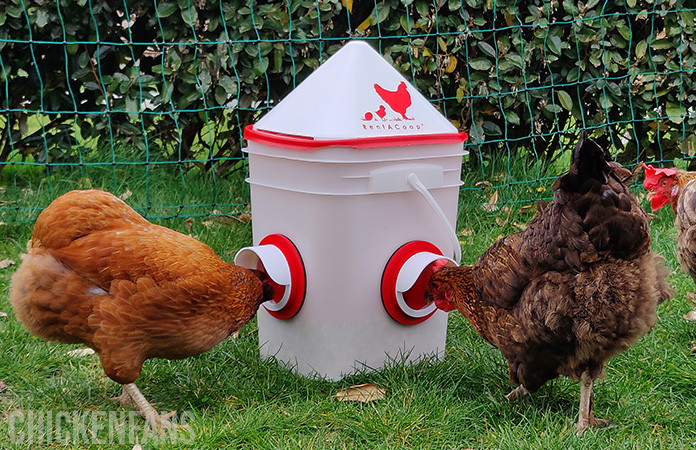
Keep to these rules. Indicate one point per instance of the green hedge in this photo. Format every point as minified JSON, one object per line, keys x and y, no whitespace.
{"x":178,"y":80}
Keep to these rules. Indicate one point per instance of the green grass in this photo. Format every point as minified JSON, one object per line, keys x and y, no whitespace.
{"x":235,"y":400}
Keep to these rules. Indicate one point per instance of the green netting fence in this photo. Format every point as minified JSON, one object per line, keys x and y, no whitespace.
{"x":150,"y":98}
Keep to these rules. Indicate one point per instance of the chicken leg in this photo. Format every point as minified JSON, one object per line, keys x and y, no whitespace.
{"x":517,"y":393}
{"x":131,"y":396}
{"x":586,"y":417}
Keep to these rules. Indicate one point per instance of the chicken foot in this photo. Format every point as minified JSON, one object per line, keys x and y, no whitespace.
{"x":131,"y":396}
{"x":517,"y":393}
{"x":691,"y":316}
{"x":586,"y":416}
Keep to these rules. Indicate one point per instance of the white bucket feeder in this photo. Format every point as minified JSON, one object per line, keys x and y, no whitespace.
{"x":355,"y":181}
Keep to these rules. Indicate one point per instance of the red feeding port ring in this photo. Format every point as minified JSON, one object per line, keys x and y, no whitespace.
{"x":403,"y":294}
{"x":278,"y":257}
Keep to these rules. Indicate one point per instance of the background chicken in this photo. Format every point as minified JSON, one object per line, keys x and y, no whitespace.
{"x":98,"y":273}
{"x":674,"y":186}
{"x":577,"y":287}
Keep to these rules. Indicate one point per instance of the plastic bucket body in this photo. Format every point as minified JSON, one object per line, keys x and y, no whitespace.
{"x":347,"y":211}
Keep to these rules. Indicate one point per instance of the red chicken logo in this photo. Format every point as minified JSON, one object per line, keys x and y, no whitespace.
{"x":399,"y":101}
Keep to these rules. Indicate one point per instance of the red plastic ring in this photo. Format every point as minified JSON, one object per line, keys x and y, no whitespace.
{"x":298,"y":279}
{"x":391,"y":273}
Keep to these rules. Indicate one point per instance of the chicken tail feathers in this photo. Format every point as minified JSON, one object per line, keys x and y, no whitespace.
{"x":589,"y":163}
{"x":50,"y":300}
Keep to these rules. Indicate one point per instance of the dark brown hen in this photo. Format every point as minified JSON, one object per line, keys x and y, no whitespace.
{"x":575,"y":288}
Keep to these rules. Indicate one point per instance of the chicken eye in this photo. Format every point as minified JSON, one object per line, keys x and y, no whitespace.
{"x":664,"y":182}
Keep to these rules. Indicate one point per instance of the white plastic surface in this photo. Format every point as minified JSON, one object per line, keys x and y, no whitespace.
{"x":394,"y":178}
{"x":275,"y":265}
{"x":344,"y":171}
{"x":345,"y":242}
{"x":339,"y":100}
{"x":272,"y":259}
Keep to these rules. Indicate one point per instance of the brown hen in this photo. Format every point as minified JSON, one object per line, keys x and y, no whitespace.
{"x":575,"y":288}
{"x":98,"y":273}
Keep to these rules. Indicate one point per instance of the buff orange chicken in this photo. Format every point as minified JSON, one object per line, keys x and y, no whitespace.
{"x":98,"y":273}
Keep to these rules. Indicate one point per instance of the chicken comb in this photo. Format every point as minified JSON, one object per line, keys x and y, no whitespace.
{"x":653,"y":175}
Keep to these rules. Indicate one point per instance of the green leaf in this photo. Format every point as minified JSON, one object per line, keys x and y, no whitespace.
{"x":554,"y":44}
{"x":270,"y":8}
{"x":480,"y":64}
{"x":492,"y":129}
{"x":14,"y":11}
{"x":190,"y":16}
{"x":674,"y":112}
{"x":614,"y":89}
{"x":605,"y":102}
{"x":132,"y":108}
{"x":382,"y":14}
{"x":662,"y":44}
{"x":41,"y":18}
{"x":565,"y":99}
{"x":204,"y":79}
{"x":515,"y":59}
{"x":174,"y":59}
{"x":229,"y":85}
{"x":641,"y":48}
{"x":512,"y":117}
{"x":166,"y":9}
{"x":624,"y":30}
{"x":487,"y":49}
{"x":423,"y":8}
{"x":552,"y":108}
{"x":261,"y":65}
{"x":83,"y":59}
{"x":220,"y":95}
{"x":406,"y":24}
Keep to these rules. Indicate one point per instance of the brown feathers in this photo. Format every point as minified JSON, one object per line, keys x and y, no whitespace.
{"x":578,"y":286}
{"x":100,"y":274}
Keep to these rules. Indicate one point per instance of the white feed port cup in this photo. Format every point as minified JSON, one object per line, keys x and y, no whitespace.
{"x":278,"y":257}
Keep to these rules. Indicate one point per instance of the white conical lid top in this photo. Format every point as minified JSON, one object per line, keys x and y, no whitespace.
{"x":355,"y":94}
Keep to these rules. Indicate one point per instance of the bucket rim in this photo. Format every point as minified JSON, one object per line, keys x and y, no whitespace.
{"x":308,"y":143}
